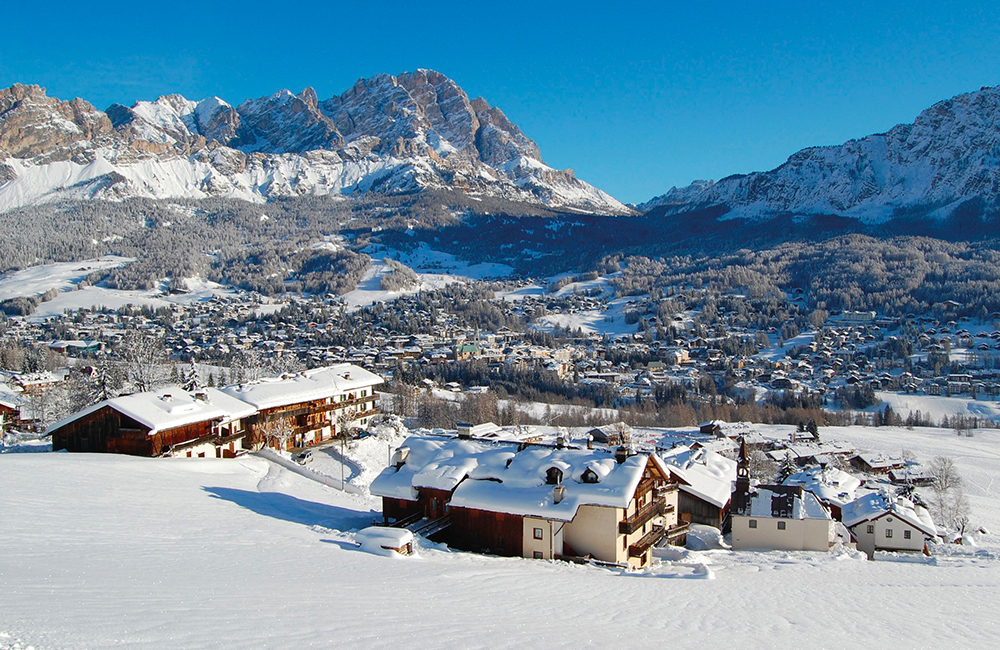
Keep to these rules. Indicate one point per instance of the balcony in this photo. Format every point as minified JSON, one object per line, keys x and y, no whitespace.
{"x":644,"y":514}
{"x":647,"y":542}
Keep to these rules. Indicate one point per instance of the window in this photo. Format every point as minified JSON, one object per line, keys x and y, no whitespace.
{"x":870,"y":529}
{"x":781,"y":525}
{"x":538,"y":533}
{"x":888,"y":532}
{"x":537,"y":554}
{"x":753,"y":523}
{"x":907,"y":534}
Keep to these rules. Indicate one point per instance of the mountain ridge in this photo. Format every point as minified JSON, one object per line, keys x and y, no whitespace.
{"x":946,"y":160}
{"x":398,"y":134}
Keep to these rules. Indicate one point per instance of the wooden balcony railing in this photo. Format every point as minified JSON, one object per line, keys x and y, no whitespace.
{"x":644,"y":514}
{"x":647,"y":541}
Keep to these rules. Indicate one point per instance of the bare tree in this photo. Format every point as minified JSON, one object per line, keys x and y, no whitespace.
{"x":949,"y":503}
{"x":143,"y":357}
{"x":279,"y":430}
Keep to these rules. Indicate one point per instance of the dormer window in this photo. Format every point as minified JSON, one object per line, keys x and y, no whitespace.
{"x":590,"y":476}
{"x":553,"y":476}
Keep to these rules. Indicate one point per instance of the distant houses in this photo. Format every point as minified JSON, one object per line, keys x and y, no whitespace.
{"x":532,"y":500}
{"x":309,"y":407}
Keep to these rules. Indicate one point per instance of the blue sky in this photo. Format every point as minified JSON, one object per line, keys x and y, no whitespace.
{"x":634,"y":98}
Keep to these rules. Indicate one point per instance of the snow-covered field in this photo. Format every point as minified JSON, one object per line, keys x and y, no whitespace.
{"x":36,"y":280}
{"x":936,"y":407}
{"x":113,"y":551}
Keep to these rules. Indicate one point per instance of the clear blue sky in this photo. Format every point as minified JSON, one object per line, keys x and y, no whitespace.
{"x":636,"y":99}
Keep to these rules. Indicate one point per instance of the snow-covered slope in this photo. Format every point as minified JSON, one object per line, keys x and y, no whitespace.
{"x":390,"y":133}
{"x":106,"y":551}
{"x":948,"y":157}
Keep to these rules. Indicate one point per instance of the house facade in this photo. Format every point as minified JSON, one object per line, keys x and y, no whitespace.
{"x":777,"y":517}
{"x":305,"y":408}
{"x":532,"y":500}
{"x":884,"y":522}
{"x":165,"y":422}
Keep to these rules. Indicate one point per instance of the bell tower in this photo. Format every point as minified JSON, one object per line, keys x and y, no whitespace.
{"x":741,"y":495}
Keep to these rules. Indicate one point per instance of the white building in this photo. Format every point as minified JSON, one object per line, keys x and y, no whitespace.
{"x":883,"y":522}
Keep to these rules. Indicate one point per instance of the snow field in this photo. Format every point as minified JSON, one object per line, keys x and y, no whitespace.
{"x":199,"y":553}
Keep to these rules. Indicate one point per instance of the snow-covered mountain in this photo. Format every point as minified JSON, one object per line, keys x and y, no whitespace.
{"x":947,"y":160}
{"x":401,"y":133}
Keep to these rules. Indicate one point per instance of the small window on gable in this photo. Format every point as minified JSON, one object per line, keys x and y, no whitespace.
{"x":870,"y":529}
{"x":907,"y":534}
{"x":781,"y":525}
{"x":590,"y":476}
{"x":753,"y":523}
{"x":888,"y":532}
{"x":538,"y":533}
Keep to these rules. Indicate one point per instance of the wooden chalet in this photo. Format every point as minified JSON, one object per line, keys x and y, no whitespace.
{"x":705,"y":479}
{"x":314,"y":405}
{"x":164,"y":422}
{"x":531,"y":500}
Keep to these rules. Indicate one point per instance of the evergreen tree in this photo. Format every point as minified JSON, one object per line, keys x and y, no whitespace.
{"x":787,"y":468}
{"x":190,"y":381}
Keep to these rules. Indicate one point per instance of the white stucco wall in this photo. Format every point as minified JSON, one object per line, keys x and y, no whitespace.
{"x":551,"y":543}
{"x":798,"y":535}
{"x":594,"y":531}
{"x":877,"y":540}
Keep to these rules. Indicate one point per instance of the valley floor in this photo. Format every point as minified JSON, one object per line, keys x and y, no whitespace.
{"x":111,"y":551}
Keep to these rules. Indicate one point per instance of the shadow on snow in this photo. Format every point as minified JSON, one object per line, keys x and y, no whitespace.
{"x":288,"y":508}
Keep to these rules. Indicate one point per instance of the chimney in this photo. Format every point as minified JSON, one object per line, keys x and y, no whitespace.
{"x":560,"y":442}
{"x":558,"y":493}
{"x":621,"y":455}
{"x":590,"y":441}
{"x":201,"y":396}
{"x":400,"y":458}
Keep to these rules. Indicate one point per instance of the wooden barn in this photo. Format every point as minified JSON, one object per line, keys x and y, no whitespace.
{"x":531,"y":500}
{"x":164,"y":422}
{"x":308,"y":407}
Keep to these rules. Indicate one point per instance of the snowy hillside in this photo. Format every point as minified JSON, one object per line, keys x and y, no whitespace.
{"x":112,"y":551}
{"x":947,"y":159}
{"x":389,"y":133}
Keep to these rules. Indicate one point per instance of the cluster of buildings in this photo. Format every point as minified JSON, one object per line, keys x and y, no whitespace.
{"x":531,"y":497}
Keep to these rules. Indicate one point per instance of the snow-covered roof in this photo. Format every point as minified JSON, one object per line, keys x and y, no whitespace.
{"x":8,"y":397}
{"x":316,"y":384}
{"x":495,"y":476}
{"x":804,"y":505}
{"x":878,"y":504}
{"x":880,"y":461}
{"x":170,"y":407}
{"x":831,"y":485}
{"x":703,"y":473}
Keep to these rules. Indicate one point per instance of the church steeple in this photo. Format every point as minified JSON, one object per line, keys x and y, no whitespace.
{"x":741,"y":495}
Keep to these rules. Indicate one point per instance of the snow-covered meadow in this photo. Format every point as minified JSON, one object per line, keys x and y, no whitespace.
{"x":113,"y":551}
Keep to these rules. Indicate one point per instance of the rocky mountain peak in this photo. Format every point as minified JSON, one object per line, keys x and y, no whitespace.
{"x":947,"y":160}
{"x":407,"y":132}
